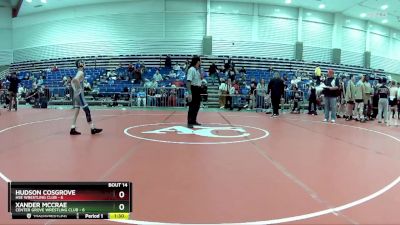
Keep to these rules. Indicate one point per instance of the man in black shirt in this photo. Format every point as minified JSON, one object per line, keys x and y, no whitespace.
{"x":383,"y":104}
{"x":13,"y":90}
{"x":276,"y":89}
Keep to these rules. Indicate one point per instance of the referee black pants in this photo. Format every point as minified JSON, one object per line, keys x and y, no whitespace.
{"x":194,"y":105}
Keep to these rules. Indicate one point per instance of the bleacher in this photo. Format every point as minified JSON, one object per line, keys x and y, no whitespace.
{"x":98,"y":65}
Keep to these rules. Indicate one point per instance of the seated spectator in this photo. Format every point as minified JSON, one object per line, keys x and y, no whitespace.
{"x":243,"y":70}
{"x":40,"y":81}
{"x":138,"y":65}
{"x":177,"y":67}
{"x":55,"y":68}
{"x":86,"y":86}
{"x":171,"y":75}
{"x":157,"y":76}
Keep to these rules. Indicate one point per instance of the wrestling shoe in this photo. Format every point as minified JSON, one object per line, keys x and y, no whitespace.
{"x":74,"y":132}
{"x":96,"y":130}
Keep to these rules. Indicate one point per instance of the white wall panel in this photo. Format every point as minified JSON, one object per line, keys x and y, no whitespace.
{"x":317,"y":39}
{"x":277,"y":30}
{"x":353,"y":46}
{"x":256,"y":49}
{"x":5,"y":36}
{"x":231,"y":27}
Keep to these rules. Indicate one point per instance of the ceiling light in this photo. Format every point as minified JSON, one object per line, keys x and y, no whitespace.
{"x":288,"y":1}
{"x":384,"y":21}
{"x":28,"y":1}
{"x":322,"y":6}
{"x":309,"y":14}
{"x":277,"y":10}
{"x":43,"y":1}
{"x":363,"y":15}
{"x":384,"y":7}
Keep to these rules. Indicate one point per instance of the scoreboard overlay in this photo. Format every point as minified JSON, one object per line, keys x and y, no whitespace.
{"x":70,"y":200}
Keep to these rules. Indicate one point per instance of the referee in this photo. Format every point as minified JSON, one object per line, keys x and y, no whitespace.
{"x":193,"y":85}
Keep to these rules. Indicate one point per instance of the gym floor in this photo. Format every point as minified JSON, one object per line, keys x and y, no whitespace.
{"x":238,"y":167}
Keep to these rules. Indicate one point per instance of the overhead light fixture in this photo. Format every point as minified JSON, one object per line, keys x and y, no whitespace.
{"x":29,"y":1}
{"x":322,"y":6}
{"x":384,"y":7}
{"x":277,"y":10}
{"x":384,"y":21}
{"x":363,"y":15}
{"x":309,"y":14}
{"x":43,"y":1}
{"x":288,"y":1}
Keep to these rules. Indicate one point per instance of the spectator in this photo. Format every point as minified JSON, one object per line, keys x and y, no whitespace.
{"x":172,"y":96}
{"x":350,"y":97}
{"x":276,"y":91}
{"x":138,"y":76}
{"x":223,"y":91}
{"x":213,"y":72}
{"x":262,"y":91}
{"x":86,"y":86}
{"x":157,"y":76}
{"x":55,"y":68}
{"x":331,"y":88}
{"x":312,"y":100}
{"x":383,"y":106}
{"x":367,"y":99}
{"x":138,"y":65}
{"x":168,"y":62}
{"x":393,"y":97}
{"x":359,"y":100}
{"x":398,"y":100}
{"x":177,"y":67}
{"x":231,"y":74}
{"x":243,"y":70}
{"x":13,"y":90}
{"x":317,"y":73}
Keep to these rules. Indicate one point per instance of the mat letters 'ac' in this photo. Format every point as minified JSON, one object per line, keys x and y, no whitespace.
{"x":211,"y":132}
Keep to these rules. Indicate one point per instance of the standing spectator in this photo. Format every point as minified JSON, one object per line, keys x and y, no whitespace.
{"x":223,"y":91}
{"x":213,"y":72}
{"x":341,"y":112}
{"x":330,"y":94}
{"x":367,"y":99}
{"x":350,"y":97}
{"x":13,"y":90}
{"x":312,"y":100}
{"x":383,"y":106}
{"x":393,"y":97}
{"x":262,"y":91}
{"x":398,"y":100}
{"x":359,"y":99}
{"x":168,"y":62}
{"x":276,"y":89}
{"x":317,"y":73}
{"x":138,"y":76}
